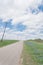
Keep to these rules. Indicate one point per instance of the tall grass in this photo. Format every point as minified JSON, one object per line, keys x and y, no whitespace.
{"x":7,"y":42}
{"x":33,"y":53}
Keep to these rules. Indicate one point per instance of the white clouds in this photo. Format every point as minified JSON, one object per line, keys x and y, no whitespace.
{"x":16,"y":10}
{"x":22,"y":4}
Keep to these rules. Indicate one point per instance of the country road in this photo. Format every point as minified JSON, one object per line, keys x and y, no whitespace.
{"x":10,"y":55}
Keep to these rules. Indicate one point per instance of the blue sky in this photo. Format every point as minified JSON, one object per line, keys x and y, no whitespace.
{"x":24,"y":19}
{"x":17,"y":27}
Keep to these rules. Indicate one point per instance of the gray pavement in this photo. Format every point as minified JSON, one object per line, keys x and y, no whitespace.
{"x":10,"y":55}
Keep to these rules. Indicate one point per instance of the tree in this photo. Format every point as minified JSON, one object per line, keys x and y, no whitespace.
{"x":4,"y":31}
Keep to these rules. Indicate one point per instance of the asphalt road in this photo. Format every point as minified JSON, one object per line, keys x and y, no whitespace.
{"x":10,"y":55}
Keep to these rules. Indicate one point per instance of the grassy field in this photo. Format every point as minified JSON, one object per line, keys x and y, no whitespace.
{"x":7,"y":42}
{"x":33,"y":53}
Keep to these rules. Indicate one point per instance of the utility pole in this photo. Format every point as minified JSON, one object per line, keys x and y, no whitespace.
{"x":4,"y":31}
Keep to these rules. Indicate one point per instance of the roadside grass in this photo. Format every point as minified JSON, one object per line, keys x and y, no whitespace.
{"x":7,"y":42}
{"x":33,"y":53}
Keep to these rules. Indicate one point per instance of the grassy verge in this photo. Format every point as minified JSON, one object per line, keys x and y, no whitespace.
{"x":7,"y":42}
{"x":33,"y":53}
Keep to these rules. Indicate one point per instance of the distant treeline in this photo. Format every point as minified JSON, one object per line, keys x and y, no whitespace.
{"x":37,"y":40}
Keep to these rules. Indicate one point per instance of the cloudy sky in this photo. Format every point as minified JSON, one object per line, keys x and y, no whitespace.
{"x":24,"y":19}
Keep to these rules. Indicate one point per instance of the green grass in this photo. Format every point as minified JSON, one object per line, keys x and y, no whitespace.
{"x":7,"y":42}
{"x":33,"y":53}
